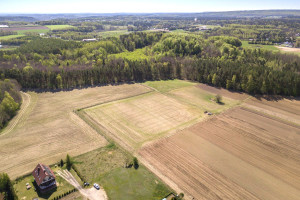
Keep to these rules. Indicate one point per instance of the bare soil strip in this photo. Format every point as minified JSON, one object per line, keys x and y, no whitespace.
{"x":289,"y":49}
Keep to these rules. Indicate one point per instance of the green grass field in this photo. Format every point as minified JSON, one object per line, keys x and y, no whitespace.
{"x":106,"y":34}
{"x":166,"y":86}
{"x":22,"y":32}
{"x":59,"y":27}
{"x":105,"y":166}
{"x":245,"y":44}
{"x":7,"y":37}
{"x":138,"y":54}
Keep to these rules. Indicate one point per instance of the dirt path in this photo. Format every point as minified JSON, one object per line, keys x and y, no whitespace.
{"x":26,"y":99}
{"x":289,"y":49}
{"x":91,"y":194}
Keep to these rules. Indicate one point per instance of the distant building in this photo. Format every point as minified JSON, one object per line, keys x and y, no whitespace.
{"x":4,"y":26}
{"x":42,"y":34}
{"x":204,"y":28}
{"x":89,"y":40}
{"x":44,"y":177}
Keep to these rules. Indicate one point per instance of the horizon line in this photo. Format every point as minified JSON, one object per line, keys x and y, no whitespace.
{"x":19,"y":13}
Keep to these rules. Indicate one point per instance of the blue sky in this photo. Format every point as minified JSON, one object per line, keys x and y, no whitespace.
{"x":138,"y":6}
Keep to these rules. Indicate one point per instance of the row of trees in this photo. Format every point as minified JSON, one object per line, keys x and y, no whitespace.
{"x":7,"y":191}
{"x":10,"y":100}
{"x":241,"y":75}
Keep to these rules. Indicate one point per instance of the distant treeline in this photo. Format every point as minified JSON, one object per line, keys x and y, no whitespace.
{"x":219,"y":61}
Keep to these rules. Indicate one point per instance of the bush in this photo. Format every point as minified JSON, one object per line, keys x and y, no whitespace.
{"x":135,"y":163}
{"x":218,"y":98}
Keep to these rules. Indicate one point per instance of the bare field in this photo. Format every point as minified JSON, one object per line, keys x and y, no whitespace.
{"x":286,"y":109}
{"x":289,"y":49}
{"x":143,"y":118}
{"x":240,"y":154}
{"x":48,"y":129}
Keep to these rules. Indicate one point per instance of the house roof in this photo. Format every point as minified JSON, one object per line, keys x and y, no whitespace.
{"x":42,"y":172}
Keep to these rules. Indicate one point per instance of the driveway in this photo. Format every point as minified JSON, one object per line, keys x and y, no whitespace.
{"x":91,"y":193}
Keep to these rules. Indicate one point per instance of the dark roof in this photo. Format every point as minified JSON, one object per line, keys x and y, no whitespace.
{"x":42,"y":172}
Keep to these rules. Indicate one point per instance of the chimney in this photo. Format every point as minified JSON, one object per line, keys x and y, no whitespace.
{"x":38,"y":171}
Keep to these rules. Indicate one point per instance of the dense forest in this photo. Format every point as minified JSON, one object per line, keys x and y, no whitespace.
{"x":7,"y":191}
{"x":10,"y":100}
{"x":216,"y":60}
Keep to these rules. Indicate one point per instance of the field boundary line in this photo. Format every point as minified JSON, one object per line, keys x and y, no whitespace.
{"x":20,"y":114}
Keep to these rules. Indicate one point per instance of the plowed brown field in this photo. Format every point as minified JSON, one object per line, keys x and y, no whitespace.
{"x":286,"y":109}
{"x":240,"y":154}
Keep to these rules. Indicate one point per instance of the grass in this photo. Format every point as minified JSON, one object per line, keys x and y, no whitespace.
{"x":20,"y":187}
{"x":7,"y":37}
{"x":22,"y":32}
{"x":105,"y":166}
{"x":202,"y":99}
{"x":245,"y":44}
{"x":138,"y":54}
{"x":59,"y":27}
{"x":8,"y":49}
{"x":106,"y":34}
{"x":168,"y":85}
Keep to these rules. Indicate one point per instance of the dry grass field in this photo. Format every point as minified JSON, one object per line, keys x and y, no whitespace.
{"x":48,"y":129}
{"x":202,"y":99}
{"x":136,"y":120}
{"x":240,"y":154}
{"x":171,"y":107}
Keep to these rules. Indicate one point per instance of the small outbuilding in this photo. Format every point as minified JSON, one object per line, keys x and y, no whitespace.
{"x":44,"y":177}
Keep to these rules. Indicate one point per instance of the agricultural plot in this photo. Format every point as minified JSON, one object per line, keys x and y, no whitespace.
{"x":22,"y":30}
{"x":200,"y":98}
{"x":136,"y":120}
{"x":168,"y":85}
{"x":245,"y":44}
{"x":48,"y":128}
{"x":172,"y":106}
{"x":59,"y":27}
{"x":283,"y":108}
{"x":105,"y":34}
{"x":240,"y":154}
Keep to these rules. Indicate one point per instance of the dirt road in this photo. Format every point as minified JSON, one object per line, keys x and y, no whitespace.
{"x":91,"y":194}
